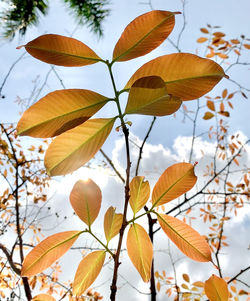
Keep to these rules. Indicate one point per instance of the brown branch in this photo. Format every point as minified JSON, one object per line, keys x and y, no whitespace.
{"x":237,"y":275}
{"x":112,"y":165}
{"x":10,"y":259}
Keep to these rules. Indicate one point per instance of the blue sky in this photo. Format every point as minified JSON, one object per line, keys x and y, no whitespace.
{"x":167,"y":142}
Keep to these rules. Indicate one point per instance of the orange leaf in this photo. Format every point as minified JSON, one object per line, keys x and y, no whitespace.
{"x":140,"y":250}
{"x":139,"y":193}
{"x":247,"y":46}
{"x":216,"y":289}
{"x":43,"y":297}
{"x":86,"y":198}
{"x":224,"y":93}
{"x":148,"y":96}
{"x":189,"y":241}
{"x":59,"y":111}
{"x":112,"y":223}
{"x":87,"y":271}
{"x":224,"y":113}
{"x":202,"y":40}
{"x":47,"y":252}
{"x":175,"y":181}
{"x":219,"y":34}
{"x":235,"y":41}
{"x":77,"y":146}
{"x":144,"y":34}
{"x":186,"y":75}
{"x":204,"y":30}
{"x":210,"y":105}
{"x":62,"y":51}
{"x":208,"y":115}
{"x":222,"y":55}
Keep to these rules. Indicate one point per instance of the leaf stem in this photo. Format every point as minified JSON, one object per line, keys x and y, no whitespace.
{"x":100,"y":242}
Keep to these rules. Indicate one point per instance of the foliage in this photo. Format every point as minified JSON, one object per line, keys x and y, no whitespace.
{"x":157,"y":88}
{"x":22,"y":14}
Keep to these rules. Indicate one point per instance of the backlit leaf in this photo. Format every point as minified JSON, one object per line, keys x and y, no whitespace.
{"x":216,"y":289}
{"x":86,"y":198}
{"x":175,"y":181}
{"x":47,"y":252}
{"x":87,"y":271}
{"x":204,"y":30}
{"x":144,"y":34}
{"x":139,"y":193}
{"x":210,"y":105}
{"x":112,"y":223}
{"x":77,"y":146}
{"x":186,"y":75}
{"x":202,"y":40}
{"x":189,"y":241}
{"x":208,"y":115}
{"x":43,"y":297}
{"x":148,"y":96}
{"x":63,"y":51}
{"x":247,"y":46}
{"x":140,"y":250}
{"x":59,"y":111}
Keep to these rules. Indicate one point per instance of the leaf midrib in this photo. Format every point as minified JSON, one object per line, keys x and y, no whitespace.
{"x":181,"y":237}
{"x":140,"y":249}
{"x":64,"y":53}
{"x":143,"y":38}
{"x":170,"y":187}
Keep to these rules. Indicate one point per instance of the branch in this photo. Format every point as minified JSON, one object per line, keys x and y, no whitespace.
{"x":10,"y":260}
{"x":237,"y":275}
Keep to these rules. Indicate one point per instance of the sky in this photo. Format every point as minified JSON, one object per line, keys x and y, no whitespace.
{"x":170,"y":139}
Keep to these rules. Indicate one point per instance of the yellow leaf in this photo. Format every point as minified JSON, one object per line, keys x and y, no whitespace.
{"x":148,"y":96}
{"x":202,"y":40}
{"x":77,"y":146}
{"x":87,"y":271}
{"x":139,"y":193}
{"x":189,"y":241}
{"x":43,"y":297}
{"x":140,"y":250}
{"x":216,"y":289}
{"x":144,"y":34}
{"x":198,"y":284}
{"x":186,"y":75}
{"x":86,"y":198}
{"x":112,"y":223}
{"x":222,"y":55}
{"x":47,"y":252}
{"x":175,"y":181}
{"x":62,"y":51}
{"x":59,"y":111}
{"x":210,"y":105}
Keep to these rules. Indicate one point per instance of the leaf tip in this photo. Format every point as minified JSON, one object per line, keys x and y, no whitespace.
{"x":177,"y":13}
{"x":226,"y":76}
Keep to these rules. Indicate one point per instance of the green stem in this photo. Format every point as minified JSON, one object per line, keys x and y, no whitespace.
{"x":100,"y":242}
